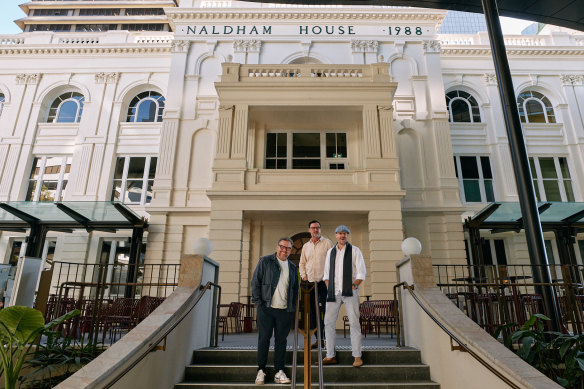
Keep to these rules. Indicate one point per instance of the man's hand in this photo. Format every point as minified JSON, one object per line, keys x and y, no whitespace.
{"x":304,"y":278}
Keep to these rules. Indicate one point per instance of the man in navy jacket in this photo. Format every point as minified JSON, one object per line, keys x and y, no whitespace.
{"x":275,"y":287}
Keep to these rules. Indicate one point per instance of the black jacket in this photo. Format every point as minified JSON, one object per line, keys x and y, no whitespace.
{"x":265,"y":279}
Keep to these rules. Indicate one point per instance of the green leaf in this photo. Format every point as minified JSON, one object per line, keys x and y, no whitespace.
{"x":580,"y":362}
{"x":21,"y":322}
{"x":564,"y":348}
{"x":61,"y":319}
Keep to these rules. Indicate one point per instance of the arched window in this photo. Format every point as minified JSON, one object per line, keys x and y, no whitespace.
{"x":305,"y":60}
{"x":535,"y":108}
{"x":66,"y":108}
{"x":2,"y":100}
{"x":146,"y":107}
{"x":462,"y":107}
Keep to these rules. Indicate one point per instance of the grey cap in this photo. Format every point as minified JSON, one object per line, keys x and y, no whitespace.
{"x":342,"y":228}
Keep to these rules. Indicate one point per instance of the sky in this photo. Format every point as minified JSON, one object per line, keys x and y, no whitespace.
{"x":9,"y":11}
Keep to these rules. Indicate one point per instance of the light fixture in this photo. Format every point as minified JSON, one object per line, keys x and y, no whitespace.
{"x":411,"y":246}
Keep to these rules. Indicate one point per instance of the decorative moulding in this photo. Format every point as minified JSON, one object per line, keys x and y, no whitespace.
{"x":30,"y":79}
{"x":364,"y":46}
{"x":247,"y":45}
{"x":241,"y":14}
{"x":431,"y":46}
{"x":180,"y":46}
{"x":572,"y":79}
{"x":106,"y":78}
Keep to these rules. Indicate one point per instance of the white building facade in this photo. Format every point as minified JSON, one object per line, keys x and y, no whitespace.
{"x":248,"y":121}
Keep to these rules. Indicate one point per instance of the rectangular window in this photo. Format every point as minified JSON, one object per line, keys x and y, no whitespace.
{"x":48,"y":178}
{"x":494,"y":252}
{"x":133,"y":179}
{"x":475,"y":178}
{"x":306,"y":150}
{"x":551,"y":178}
{"x":99,"y":12}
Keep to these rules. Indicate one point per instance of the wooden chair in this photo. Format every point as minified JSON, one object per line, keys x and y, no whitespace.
{"x":365,"y":315}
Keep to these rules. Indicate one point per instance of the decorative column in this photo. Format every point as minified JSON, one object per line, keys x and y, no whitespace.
{"x":17,"y":141}
{"x":371,"y":135}
{"x":169,"y":134}
{"x":386,"y":127}
{"x":501,"y":152}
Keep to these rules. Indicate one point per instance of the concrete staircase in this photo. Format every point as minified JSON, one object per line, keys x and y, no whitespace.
{"x":389,"y":369}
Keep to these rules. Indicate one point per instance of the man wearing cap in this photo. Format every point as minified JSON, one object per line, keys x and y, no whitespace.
{"x":312,"y":261}
{"x":344,"y":271}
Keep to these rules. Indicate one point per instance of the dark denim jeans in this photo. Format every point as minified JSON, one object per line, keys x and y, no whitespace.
{"x":277,"y":322}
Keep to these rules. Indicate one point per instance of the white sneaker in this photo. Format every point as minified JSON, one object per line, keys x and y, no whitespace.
{"x":280,"y":378}
{"x":260,"y":377}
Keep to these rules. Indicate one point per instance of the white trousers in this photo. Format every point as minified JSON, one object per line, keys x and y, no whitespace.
{"x":330,"y":323}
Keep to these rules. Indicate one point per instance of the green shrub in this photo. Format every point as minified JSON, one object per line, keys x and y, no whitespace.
{"x":558,"y":356}
{"x":19,"y":328}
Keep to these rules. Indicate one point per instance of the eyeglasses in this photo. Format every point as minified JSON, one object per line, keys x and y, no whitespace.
{"x":285,"y":247}
{"x":315,"y":228}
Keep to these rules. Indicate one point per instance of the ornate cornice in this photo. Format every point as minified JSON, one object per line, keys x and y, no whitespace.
{"x":68,"y":50}
{"x":486,"y":51}
{"x":360,"y":46}
{"x":247,"y":45}
{"x":431,"y":46}
{"x":572,"y":79}
{"x":106,"y":78}
{"x":180,"y":46}
{"x":490,"y":79}
{"x":30,"y":79}
{"x":177,"y":15}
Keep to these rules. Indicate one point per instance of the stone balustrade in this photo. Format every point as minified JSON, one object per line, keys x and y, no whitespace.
{"x":304,"y":71}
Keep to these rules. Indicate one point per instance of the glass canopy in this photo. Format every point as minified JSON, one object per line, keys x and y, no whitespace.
{"x":552,"y":215}
{"x":68,"y":214}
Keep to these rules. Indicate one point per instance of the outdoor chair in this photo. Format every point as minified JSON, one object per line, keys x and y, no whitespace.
{"x":120,"y":316}
{"x":383,"y":315}
{"x":232,"y":321}
{"x":365,"y":315}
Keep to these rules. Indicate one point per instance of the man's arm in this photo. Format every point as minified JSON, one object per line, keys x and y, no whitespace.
{"x":325,"y":276}
{"x":359,"y":266}
{"x":302,"y":265}
{"x":256,"y":284}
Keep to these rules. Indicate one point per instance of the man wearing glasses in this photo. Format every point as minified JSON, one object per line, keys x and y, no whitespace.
{"x":275,"y":287}
{"x":312,"y":261}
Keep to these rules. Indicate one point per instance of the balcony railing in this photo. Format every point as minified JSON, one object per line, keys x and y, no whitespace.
{"x":496,"y":295}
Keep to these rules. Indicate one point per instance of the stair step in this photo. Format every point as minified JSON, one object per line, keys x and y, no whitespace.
{"x":332,"y":373}
{"x":328,"y":385}
{"x":395,"y":356}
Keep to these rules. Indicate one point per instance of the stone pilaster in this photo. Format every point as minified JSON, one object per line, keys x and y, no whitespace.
{"x":225,"y":231}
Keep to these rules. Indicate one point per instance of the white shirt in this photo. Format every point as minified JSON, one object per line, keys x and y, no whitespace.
{"x":279,"y":299}
{"x":358,"y":266}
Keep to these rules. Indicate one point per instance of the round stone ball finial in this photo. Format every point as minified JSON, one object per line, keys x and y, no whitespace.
{"x":202,"y":246}
{"x":380,"y":58}
{"x":411,"y":246}
{"x":229,"y":58}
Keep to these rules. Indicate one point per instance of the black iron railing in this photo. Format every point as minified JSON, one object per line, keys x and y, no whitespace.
{"x":112,"y":298}
{"x":494,"y":295}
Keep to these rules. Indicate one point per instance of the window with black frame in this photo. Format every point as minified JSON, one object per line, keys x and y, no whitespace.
{"x":306,"y":150}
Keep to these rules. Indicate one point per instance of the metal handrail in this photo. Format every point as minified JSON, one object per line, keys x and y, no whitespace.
{"x":318,"y":338}
{"x":162,"y":336}
{"x":462,"y":345}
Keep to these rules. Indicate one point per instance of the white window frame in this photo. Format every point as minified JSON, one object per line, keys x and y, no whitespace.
{"x":324,"y":161}
{"x":2,"y":101}
{"x":77,"y":114}
{"x":481,"y":179}
{"x":560,"y":178}
{"x":124,"y":178}
{"x":39,"y":180}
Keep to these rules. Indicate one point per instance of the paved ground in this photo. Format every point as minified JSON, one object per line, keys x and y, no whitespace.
{"x":249,"y":341}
